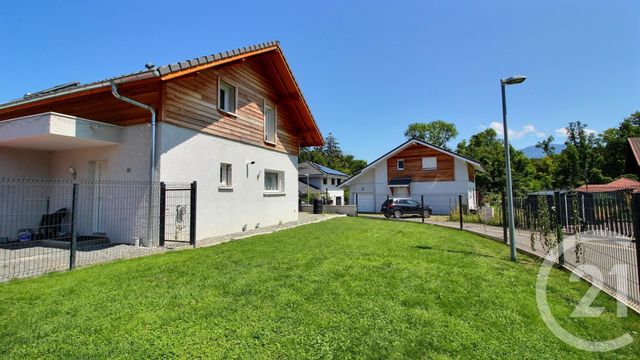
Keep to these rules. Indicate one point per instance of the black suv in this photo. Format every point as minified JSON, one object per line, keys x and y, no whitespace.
{"x":397,"y":207}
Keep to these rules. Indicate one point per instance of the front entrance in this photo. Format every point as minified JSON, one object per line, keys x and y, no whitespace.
{"x":97,"y":172}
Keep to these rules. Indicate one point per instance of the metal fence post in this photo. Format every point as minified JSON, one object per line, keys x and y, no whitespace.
{"x":635,"y":212}
{"x":559,"y":232}
{"x":422,"y":203}
{"x":460,"y":210}
{"x":192,"y":220}
{"x":163,"y":209}
{"x":356,"y":204}
{"x":74,"y":230}
{"x":504,"y":218}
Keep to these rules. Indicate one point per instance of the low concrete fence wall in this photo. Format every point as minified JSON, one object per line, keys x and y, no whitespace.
{"x":350,"y":210}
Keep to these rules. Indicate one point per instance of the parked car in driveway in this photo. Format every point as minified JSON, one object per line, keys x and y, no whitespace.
{"x":398,"y":207}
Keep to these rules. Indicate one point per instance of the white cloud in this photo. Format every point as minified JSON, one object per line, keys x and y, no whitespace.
{"x":517,"y":134}
{"x":562,"y":132}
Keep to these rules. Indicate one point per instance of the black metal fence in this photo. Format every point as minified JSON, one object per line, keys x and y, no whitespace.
{"x":597,"y":231}
{"x":177,"y":213}
{"x":50,"y":225}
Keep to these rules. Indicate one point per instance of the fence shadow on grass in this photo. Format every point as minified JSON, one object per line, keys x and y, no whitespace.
{"x":462,"y":252}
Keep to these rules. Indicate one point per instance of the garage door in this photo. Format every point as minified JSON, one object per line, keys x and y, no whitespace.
{"x":366,"y":202}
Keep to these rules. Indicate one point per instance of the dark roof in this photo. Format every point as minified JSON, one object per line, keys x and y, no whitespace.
{"x":399,"y":181}
{"x":304,"y":181}
{"x":327,"y":170}
{"x":138,"y":75}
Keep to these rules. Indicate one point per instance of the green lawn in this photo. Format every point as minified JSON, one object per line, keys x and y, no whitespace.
{"x":344,"y":288}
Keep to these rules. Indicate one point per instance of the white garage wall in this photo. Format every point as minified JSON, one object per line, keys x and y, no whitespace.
{"x":187,"y":155}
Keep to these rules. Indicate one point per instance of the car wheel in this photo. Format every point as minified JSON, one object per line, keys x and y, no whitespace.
{"x":427,"y":213}
{"x":397,"y":214}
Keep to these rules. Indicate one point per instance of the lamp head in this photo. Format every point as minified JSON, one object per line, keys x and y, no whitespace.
{"x":512,"y":80}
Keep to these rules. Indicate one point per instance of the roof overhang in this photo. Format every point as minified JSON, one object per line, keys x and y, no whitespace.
{"x":400,"y":182}
{"x":476,"y":165}
{"x":270,"y":53}
{"x":52,"y":131}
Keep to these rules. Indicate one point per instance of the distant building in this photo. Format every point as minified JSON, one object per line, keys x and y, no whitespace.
{"x":317,"y":179}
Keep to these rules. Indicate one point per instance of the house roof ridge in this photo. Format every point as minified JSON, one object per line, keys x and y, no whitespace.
{"x":141,"y":74}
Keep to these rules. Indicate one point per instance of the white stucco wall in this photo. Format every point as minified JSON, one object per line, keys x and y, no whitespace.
{"x":126,"y":161}
{"x":24,"y":163}
{"x":187,"y":155}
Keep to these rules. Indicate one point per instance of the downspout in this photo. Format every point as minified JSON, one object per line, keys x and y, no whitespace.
{"x":153,"y":165}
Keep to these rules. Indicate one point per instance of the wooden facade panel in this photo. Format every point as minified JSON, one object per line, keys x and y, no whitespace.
{"x":412,"y":157}
{"x":192,"y":102}
{"x":471,"y":172}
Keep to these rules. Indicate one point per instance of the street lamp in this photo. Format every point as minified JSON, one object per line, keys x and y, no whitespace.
{"x":513,"y":80}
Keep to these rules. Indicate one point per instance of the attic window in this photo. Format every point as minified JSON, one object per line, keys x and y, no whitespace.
{"x":270,"y":124}
{"x":227,"y":97}
{"x":430,"y":163}
{"x":400,"y":164}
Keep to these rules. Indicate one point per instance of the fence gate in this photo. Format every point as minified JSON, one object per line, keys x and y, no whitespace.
{"x":177,"y":213}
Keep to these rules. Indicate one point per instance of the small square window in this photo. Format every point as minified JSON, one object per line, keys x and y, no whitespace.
{"x":273,"y":181}
{"x":270,"y":124}
{"x":400,"y":164}
{"x":429,"y":163}
{"x":225,"y":174}
{"x":227,"y":95}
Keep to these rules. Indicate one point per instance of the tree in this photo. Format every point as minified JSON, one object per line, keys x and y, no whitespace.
{"x":547,"y":146}
{"x":486,"y":148}
{"x":580,"y":162}
{"x":614,"y":142}
{"x":331,"y":155}
{"x":437,"y":133}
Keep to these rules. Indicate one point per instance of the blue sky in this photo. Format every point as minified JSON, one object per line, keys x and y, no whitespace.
{"x":367,"y":68}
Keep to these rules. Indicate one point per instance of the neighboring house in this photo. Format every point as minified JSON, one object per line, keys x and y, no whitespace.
{"x":321,"y":180}
{"x":415,"y":169}
{"x":233,"y":122}
{"x":622,"y":184}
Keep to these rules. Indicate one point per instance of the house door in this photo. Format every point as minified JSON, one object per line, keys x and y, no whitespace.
{"x":98,"y":171}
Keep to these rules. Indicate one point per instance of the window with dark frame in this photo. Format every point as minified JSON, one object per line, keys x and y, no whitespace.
{"x":333,"y":181}
{"x":400,"y":164}
{"x":324,"y":181}
{"x":225,"y":175}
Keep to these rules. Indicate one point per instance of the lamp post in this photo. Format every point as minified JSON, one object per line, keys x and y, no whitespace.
{"x":507,"y":158}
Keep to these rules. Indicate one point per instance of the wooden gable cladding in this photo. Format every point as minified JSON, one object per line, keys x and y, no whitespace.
{"x":99,"y":105}
{"x":412,"y":157}
{"x":471,"y":172}
{"x":192,"y":102}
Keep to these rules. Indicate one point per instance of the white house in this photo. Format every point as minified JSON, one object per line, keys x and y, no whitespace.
{"x":321,"y":180}
{"x":416,"y":169}
{"x":232,"y":121}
